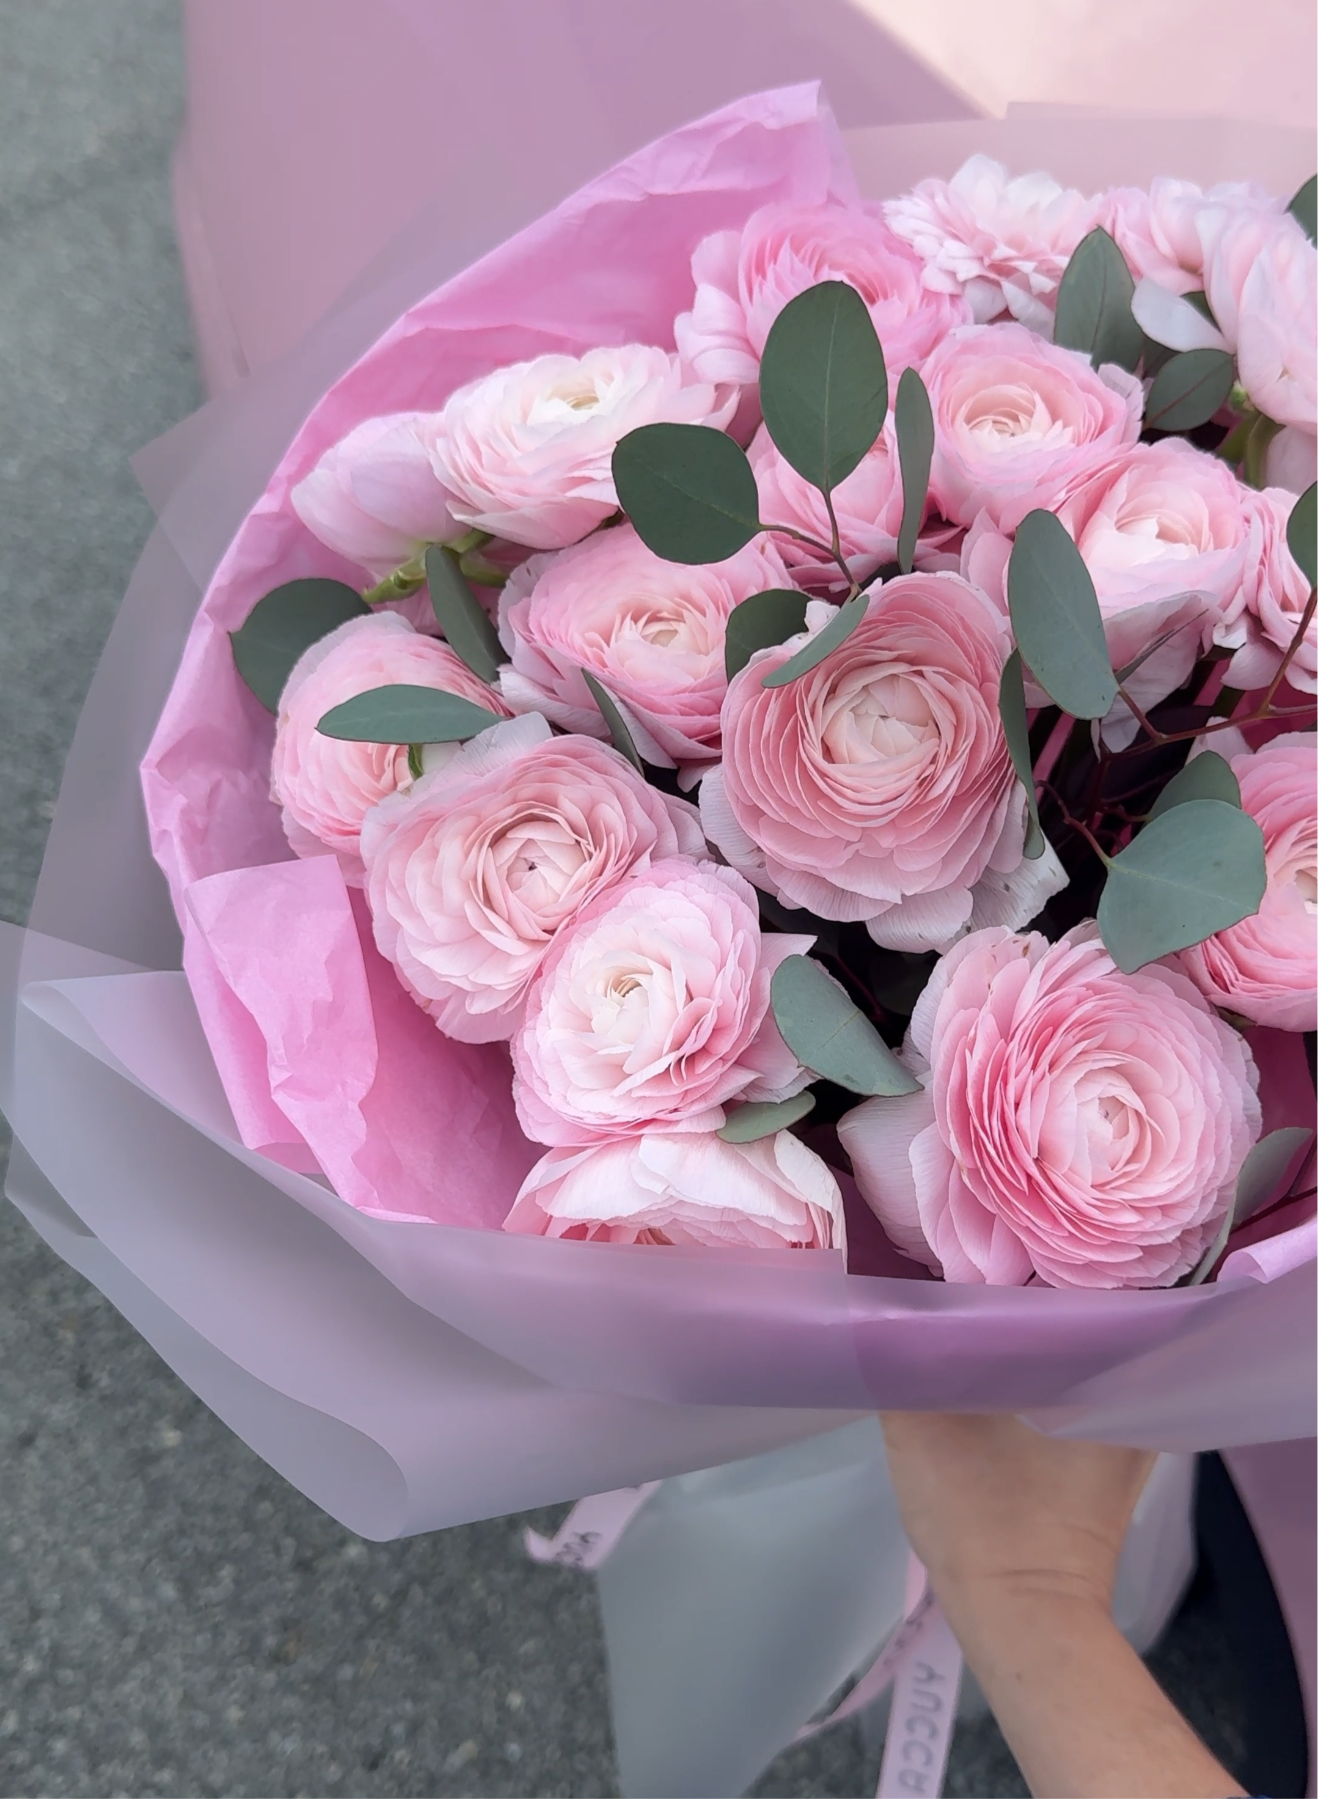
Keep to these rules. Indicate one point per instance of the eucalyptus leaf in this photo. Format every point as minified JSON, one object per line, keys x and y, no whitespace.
{"x":688,"y":490}
{"x":284,"y":624}
{"x":823,"y":643}
{"x":747,"y":1124}
{"x":823,"y":383}
{"x":1258,"y":1183}
{"x":1188,"y":389}
{"x":1301,"y":531}
{"x":462,"y":618}
{"x":1016,"y":729}
{"x":915,"y":453}
{"x":1199,"y":300}
{"x":406,"y":714}
{"x":1207,"y":777}
{"x":829,"y":1033}
{"x":618,"y":731}
{"x":1056,"y":618}
{"x":759,"y":622}
{"x":1261,"y":1178}
{"x":1196,"y":869}
{"x":1093,"y":304}
{"x":1304,"y":207}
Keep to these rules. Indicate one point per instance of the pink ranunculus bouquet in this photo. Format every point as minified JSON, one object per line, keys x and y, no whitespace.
{"x":951,"y":908}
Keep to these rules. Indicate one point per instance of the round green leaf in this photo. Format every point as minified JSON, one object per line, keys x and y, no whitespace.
{"x":1056,"y":620}
{"x":1016,"y":729}
{"x":1196,"y":869}
{"x":749,"y":1123}
{"x":285,"y":623}
{"x":1188,"y":389}
{"x":915,"y":452}
{"x":1093,"y":304}
{"x":823,"y":383}
{"x":823,"y":643}
{"x":688,"y":490}
{"x":828,"y":1032}
{"x":623,"y":740}
{"x":1208,"y":777}
{"x":406,"y":714}
{"x":1304,"y":207}
{"x":1261,"y":1180}
{"x":463,"y":620}
{"x":1301,"y":531}
{"x":759,"y":622}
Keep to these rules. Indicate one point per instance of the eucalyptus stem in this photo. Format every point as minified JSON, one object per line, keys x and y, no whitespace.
{"x":1078,"y":825}
{"x":833,"y":551}
{"x":835,"y":548}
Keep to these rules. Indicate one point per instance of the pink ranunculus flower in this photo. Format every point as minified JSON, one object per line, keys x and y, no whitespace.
{"x":745,"y":278}
{"x":876,"y":788}
{"x":1002,"y":242}
{"x":1265,"y":968}
{"x":1165,"y":531}
{"x":1166,"y":231}
{"x":868,"y":505}
{"x":651,"y":1012}
{"x":1020,"y":423}
{"x":1274,"y":593}
{"x":376,"y":496}
{"x":1231,"y":248}
{"x":651,"y":631}
{"x":472,"y":874}
{"x":326,"y":787}
{"x":684,"y":1187}
{"x":1131,"y":625}
{"x":1276,"y":338}
{"x":526,"y":452}
{"x":1078,"y":1124}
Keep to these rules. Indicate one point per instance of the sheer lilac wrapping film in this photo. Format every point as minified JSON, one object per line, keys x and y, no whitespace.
{"x":411,"y":1371}
{"x":269,"y":236}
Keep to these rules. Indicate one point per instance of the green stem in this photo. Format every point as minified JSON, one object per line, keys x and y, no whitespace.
{"x":399,"y":584}
{"x":476,"y":568}
{"x":1261,"y":433}
{"x":411,"y":575}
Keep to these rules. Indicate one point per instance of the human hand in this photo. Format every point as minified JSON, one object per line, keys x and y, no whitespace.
{"x":1021,"y":1535}
{"x":995,"y":1511}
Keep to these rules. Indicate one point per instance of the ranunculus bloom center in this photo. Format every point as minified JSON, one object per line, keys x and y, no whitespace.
{"x":876,"y":721}
{"x":1002,"y":416}
{"x":537,"y":859}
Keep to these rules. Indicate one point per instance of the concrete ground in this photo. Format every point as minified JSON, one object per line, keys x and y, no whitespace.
{"x":174,"y":1618}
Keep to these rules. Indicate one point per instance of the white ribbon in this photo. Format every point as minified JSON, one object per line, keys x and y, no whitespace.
{"x":921,"y":1661}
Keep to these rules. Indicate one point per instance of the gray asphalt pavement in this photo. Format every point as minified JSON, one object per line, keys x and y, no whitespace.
{"x":175,"y":1619}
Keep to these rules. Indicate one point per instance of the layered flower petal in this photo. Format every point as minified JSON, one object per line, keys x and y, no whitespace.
{"x":1078,"y":1124}
{"x":1265,"y":968}
{"x":473,"y":873}
{"x":652,"y":1011}
{"x":526,"y":452}
{"x":685,"y":1187}
{"x":745,"y":278}
{"x":876,"y":788}
{"x":325,"y":787}
{"x":651,"y":631}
